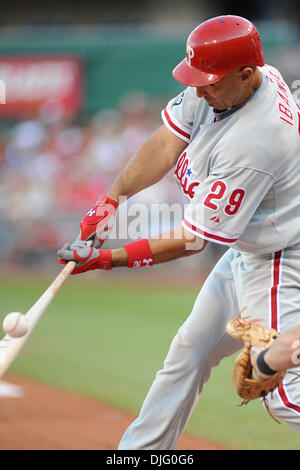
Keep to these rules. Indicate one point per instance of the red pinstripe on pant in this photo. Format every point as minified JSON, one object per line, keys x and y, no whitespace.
{"x":276,"y":274}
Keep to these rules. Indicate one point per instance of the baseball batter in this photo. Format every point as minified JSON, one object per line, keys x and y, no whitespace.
{"x":232,"y":136}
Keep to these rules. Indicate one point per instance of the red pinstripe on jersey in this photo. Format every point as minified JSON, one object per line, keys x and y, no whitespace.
{"x":275,"y":321}
{"x":177,"y":129}
{"x":208,"y":235}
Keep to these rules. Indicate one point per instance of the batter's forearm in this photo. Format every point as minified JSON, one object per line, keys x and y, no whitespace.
{"x":169,"y":246}
{"x":135,"y":177}
{"x":148,"y":165}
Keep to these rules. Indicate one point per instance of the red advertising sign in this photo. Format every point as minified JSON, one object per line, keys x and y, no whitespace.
{"x":35,"y":86}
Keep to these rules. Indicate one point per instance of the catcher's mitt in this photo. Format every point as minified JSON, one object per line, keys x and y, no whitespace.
{"x":252,"y":334}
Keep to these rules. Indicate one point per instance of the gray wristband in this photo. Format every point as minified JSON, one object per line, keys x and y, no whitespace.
{"x":262,"y":365}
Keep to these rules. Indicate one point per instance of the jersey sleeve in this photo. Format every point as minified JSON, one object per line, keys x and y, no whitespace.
{"x":179,"y":113}
{"x":225,"y":202}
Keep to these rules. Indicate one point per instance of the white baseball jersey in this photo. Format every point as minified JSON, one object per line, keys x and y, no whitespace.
{"x":241,"y":174}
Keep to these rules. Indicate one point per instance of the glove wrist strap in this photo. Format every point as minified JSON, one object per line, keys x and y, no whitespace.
{"x":105,"y":260}
{"x":262,"y":365}
{"x":103,"y":199}
{"x":139,"y":254}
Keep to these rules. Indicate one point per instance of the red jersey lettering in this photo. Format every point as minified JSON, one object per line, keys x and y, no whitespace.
{"x":183,"y":174}
{"x":217,"y":192}
{"x":235,"y":201}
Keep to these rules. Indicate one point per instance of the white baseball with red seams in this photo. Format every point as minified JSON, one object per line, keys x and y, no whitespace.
{"x":15,"y":325}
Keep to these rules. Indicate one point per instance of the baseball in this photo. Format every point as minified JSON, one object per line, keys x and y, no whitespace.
{"x":15,"y":324}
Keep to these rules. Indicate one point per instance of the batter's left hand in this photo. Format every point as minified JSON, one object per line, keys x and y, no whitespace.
{"x":86,"y":257}
{"x":99,"y":221}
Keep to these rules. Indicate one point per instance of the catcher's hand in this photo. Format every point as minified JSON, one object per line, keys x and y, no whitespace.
{"x":249,"y":385}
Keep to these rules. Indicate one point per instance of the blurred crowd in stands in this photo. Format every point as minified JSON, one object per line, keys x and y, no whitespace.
{"x":50,"y":165}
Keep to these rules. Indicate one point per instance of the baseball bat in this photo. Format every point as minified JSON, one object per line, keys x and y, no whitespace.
{"x":10,"y":347}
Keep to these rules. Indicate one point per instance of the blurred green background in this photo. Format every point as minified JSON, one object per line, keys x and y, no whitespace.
{"x":116,"y":60}
{"x":107,"y":338}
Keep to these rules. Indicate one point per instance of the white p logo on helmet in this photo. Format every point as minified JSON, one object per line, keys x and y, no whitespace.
{"x":189,"y":54}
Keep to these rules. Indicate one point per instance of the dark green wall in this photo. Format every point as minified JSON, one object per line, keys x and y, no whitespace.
{"x":114,"y":64}
{"x":116,"y":61}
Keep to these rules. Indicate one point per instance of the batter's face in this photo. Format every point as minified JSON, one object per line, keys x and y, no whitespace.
{"x":231,"y":90}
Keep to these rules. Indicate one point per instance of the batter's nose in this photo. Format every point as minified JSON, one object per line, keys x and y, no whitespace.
{"x":201,"y":91}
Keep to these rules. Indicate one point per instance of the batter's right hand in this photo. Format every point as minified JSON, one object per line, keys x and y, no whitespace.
{"x":98,"y":222}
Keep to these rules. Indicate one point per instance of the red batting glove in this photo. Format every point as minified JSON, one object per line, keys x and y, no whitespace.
{"x":86,"y":257}
{"x":98,"y":222}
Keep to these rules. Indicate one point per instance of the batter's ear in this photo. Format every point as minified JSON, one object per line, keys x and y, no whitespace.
{"x":246,"y":73}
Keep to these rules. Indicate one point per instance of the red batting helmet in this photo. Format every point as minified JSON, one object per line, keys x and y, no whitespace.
{"x":216,"y":47}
